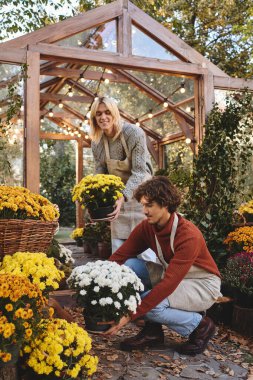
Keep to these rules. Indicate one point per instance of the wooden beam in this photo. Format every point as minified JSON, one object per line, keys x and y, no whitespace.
{"x":89,"y":74}
{"x":152,"y":150}
{"x":69,"y":27}
{"x":56,"y":136}
{"x":208,"y":92}
{"x":88,"y":56}
{"x":49,"y":83}
{"x":65,"y":98}
{"x":32,"y":122}
{"x":175,"y":44}
{"x":186,"y":130}
{"x":9,"y":55}
{"x":156,"y":95}
{"x":173,"y":138}
{"x":79,"y":176}
{"x":232,"y":83}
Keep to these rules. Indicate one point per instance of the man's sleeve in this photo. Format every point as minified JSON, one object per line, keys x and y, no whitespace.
{"x":133,"y":246}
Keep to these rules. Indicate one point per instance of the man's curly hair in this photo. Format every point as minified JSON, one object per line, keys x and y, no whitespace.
{"x":159,"y":189}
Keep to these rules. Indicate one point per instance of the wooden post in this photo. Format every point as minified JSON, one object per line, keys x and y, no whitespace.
{"x":79,"y":176}
{"x":32,"y":123}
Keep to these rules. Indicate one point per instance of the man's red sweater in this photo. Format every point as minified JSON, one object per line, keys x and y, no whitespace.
{"x":189,"y":249}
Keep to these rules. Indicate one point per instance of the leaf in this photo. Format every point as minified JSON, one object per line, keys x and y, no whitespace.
{"x":112,"y":358}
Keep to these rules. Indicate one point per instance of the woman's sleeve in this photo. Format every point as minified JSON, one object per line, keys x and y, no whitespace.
{"x":137,"y":146}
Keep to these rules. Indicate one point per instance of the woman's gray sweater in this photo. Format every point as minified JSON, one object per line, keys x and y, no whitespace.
{"x":137,"y":146}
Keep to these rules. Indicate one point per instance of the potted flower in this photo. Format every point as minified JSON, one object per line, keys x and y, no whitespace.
{"x":28,"y":221}
{"x":238,"y":274}
{"x":106,"y":290}
{"x":21,"y":305}
{"x":61,"y":351}
{"x":240,"y":240}
{"x":37,"y":267}
{"x":246,"y":210}
{"x":77,"y":235}
{"x":98,"y":193}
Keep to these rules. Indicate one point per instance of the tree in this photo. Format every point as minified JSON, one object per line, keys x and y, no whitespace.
{"x":58,"y":177}
{"x":219,"y":170}
{"x":18,"y":17}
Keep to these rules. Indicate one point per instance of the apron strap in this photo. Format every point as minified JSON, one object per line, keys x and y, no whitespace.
{"x":106,"y":145}
{"x":172,"y":238}
{"x":123,"y":141}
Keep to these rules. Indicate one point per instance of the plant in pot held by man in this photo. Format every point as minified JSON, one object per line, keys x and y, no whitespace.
{"x":238,"y":275}
{"x":98,"y":191}
{"x":106,"y":290}
{"x":240,"y":240}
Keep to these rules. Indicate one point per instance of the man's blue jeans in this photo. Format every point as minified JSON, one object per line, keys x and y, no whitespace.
{"x":183,"y":322}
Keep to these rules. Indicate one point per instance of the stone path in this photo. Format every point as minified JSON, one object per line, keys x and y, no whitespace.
{"x":228,"y":355}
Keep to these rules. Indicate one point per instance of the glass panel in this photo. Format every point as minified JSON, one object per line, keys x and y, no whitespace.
{"x":174,"y":88}
{"x":165,"y":124}
{"x":102,"y":37}
{"x":11,"y":125}
{"x":145,"y":46}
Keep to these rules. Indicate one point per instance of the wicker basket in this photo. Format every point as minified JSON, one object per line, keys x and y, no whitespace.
{"x":25,"y":236}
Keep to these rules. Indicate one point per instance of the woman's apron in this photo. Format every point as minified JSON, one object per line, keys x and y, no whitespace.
{"x":199,"y":289}
{"x":131,"y":211}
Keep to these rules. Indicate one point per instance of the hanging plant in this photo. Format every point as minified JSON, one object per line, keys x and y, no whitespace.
{"x":219,"y":170}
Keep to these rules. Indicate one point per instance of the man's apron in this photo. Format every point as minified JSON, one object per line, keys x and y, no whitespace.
{"x":131,"y":211}
{"x":196,"y":292}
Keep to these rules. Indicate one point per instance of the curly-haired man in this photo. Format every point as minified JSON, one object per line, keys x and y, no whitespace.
{"x":184,"y":284}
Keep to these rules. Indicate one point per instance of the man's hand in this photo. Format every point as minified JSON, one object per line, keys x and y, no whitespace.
{"x":114,"y":329}
{"x":116,"y":212}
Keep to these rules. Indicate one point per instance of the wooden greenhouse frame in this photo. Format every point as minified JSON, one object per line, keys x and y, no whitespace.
{"x":39,"y":51}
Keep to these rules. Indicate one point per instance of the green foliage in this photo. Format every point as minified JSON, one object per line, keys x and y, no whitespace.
{"x":219,"y":170}
{"x":58,"y":177}
{"x":97,"y":232}
{"x":238,"y":272}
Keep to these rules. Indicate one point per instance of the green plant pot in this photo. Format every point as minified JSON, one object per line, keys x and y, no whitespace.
{"x":101,"y":212}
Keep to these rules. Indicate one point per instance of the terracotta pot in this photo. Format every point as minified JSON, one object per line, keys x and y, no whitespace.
{"x":104,"y":250}
{"x":242,"y":320}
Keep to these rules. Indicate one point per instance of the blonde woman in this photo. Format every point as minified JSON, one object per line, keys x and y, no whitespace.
{"x":120,"y":148}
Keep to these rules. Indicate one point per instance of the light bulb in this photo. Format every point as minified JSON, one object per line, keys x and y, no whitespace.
{"x":79,"y":135}
{"x":150,"y":114}
{"x":82,"y":79}
{"x":165,"y":104}
{"x":188,"y":109}
{"x":86,"y":137}
{"x":107,"y":81}
{"x":60,"y":104}
{"x":51,"y":114}
{"x":79,"y":42}
{"x":182,"y":89}
{"x":70,"y":92}
{"x":137,"y":123}
{"x":188,"y":140}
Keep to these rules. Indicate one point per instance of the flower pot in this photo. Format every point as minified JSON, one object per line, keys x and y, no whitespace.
{"x":242,"y":320}
{"x":86,"y":248}
{"x":101,"y":212}
{"x":96,"y":324}
{"x":92,"y":248}
{"x":79,"y":242}
{"x":248,"y":217}
{"x":104,"y":250}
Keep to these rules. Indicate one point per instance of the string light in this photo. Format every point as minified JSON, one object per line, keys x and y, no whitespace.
{"x":182,"y":89}
{"x":82,"y":79}
{"x":188,"y":109}
{"x":60,"y":104}
{"x":150,"y":114}
{"x":42,"y":119}
{"x":188,"y":140}
{"x":70,"y":92}
{"x":51,"y":114}
{"x":107,"y":81}
{"x":165,"y":103}
{"x":137,"y":123}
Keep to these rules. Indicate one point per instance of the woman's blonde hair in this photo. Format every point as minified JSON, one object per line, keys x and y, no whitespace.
{"x":96,"y":132}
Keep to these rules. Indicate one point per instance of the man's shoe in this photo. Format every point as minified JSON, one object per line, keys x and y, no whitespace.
{"x":151,"y":335}
{"x":199,"y":338}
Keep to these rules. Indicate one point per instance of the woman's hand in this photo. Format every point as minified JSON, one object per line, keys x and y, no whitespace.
{"x":114,"y":329}
{"x":116,"y":212}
